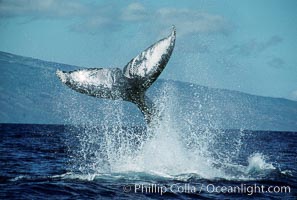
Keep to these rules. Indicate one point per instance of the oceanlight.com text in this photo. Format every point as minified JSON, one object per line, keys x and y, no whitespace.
{"x":208,"y":188}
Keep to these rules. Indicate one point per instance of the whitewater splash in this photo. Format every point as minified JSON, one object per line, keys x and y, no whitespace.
{"x":171,"y":148}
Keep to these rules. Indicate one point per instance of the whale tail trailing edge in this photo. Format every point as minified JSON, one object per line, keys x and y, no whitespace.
{"x":131,"y":83}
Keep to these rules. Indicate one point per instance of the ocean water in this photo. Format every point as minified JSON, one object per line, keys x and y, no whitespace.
{"x":78,"y":162}
{"x":100,"y":156}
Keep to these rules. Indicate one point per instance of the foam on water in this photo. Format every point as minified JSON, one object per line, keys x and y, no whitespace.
{"x":170,"y":148}
{"x":257,"y":163}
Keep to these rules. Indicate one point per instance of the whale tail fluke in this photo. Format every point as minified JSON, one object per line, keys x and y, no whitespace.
{"x":128,"y":85}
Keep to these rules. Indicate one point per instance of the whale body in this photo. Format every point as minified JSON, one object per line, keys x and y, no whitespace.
{"x":129,"y":84}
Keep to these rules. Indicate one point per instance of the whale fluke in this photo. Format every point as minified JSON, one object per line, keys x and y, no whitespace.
{"x":128,"y":85}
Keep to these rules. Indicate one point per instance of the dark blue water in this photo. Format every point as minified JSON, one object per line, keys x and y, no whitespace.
{"x":64,"y":162}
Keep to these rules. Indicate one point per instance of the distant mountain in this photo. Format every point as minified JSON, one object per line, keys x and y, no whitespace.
{"x":31,"y":93}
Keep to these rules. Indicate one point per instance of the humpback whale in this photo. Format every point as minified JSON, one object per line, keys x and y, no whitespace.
{"x":129,"y":84}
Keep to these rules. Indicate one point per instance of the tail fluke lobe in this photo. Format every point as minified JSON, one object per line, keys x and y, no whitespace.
{"x":128,"y":85}
{"x":148,"y":65}
{"x":98,"y":82}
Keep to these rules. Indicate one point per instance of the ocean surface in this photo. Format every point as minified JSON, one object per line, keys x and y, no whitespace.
{"x":103,"y":162}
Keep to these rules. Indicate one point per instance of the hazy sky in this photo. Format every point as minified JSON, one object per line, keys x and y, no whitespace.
{"x":248,"y":45}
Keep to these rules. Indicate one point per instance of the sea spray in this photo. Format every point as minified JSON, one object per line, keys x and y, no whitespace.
{"x":170,"y":148}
